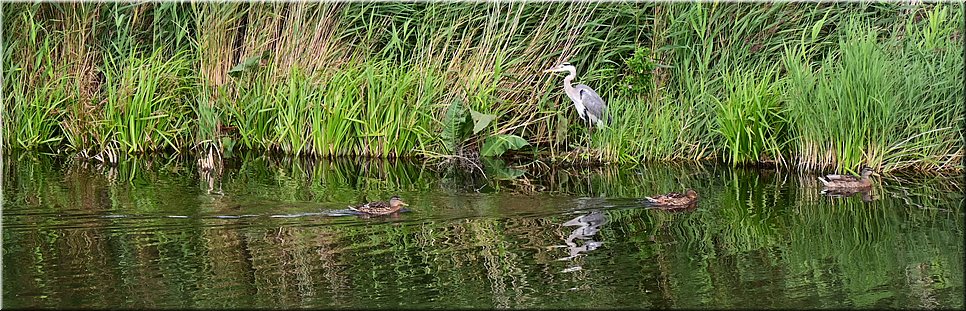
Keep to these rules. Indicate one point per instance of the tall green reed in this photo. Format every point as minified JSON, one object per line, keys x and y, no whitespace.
{"x":146,"y":102}
{"x":864,"y":105}
{"x":216,"y":26}
{"x":750,"y":119}
{"x":378,"y":79}
{"x":35,"y":93}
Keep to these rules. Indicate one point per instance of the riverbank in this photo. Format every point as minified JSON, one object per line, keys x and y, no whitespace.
{"x":812,"y":86}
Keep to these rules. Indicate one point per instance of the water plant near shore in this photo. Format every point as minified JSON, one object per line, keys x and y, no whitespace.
{"x":816,"y":86}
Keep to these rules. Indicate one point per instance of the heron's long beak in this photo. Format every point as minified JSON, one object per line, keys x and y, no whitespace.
{"x":548,"y":70}
{"x":403,"y":204}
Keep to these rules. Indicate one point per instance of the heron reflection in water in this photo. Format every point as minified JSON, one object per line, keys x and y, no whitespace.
{"x":587,"y":226}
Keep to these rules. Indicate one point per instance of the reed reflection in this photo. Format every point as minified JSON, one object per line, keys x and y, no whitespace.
{"x":154,"y":235}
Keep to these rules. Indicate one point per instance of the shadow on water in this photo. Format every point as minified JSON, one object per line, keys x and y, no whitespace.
{"x":158,"y":232}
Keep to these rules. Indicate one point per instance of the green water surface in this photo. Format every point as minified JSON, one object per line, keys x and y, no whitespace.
{"x":157,"y":233}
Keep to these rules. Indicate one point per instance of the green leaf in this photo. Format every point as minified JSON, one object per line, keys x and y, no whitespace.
{"x":249,"y":63}
{"x":480,"y":120}
{"x":227,"y":144}
{"x":496,"y":145}
{"x":497,"y":169}
{"x":560,"y":135}
{"x":452,"y":134}
{"x":817,"y":28}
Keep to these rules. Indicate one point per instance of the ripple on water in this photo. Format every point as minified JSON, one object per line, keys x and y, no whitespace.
{"x":756,"y":239}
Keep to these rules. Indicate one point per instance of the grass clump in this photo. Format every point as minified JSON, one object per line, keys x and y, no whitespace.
{"x":750,"y":119}
{"x":146,"y":103}
{"x":867,"y":105}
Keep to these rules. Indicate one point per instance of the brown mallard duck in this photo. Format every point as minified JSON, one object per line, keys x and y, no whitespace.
{"x":674,"y":199}
{"x":848,"y":181}
{"x":381,"y":208}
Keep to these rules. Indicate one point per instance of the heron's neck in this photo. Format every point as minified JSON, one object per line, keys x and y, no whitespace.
{"x":569,"y":86}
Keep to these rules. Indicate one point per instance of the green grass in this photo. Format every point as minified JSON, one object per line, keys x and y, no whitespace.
{"x":36,"y":91}
{"x":145,"y":105}
{"x":868,"y":103}
{"x":814,"y":86}
{"x":750,"y":119}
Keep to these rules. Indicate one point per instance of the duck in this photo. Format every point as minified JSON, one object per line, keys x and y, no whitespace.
{"x":380,"y":208}
{"x":834,"y":181}
{"x":672,"y":199}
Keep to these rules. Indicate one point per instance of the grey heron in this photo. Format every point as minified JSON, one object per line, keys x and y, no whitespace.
{"x":589,"y":105}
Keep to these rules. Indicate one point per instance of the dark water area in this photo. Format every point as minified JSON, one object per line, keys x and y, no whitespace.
{"x":157,"y":233}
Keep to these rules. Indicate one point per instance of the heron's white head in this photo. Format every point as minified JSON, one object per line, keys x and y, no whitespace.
{"x":562,"y":68}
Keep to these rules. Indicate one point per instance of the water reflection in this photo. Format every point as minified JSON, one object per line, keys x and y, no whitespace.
{"x":210,"y":167}
{"x":866,"y":194}
{"x":145,"y":234}
{"x":587,"y":226}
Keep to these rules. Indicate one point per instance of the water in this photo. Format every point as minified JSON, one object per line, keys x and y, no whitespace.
{"x":155,"y":233}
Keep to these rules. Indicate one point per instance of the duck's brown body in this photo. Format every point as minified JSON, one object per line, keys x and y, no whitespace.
{"x":380,"y":208}
{"x":848,"y":181}
{"x":674,"y":199}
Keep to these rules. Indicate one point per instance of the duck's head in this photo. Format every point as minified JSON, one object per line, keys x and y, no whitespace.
{"x":396,"y":202}
{"x":691,"y":193}
{"x":867,"y":171}
{"x":565,"y":67}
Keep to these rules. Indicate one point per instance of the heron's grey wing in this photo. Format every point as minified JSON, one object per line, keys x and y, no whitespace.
{"x":596,"y":107}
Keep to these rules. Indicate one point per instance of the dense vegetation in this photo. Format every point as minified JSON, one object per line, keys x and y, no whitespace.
{"x":815,"y":86}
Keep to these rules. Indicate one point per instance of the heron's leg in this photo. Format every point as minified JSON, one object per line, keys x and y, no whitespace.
{"x":590,"y":135}
{"x":583,"y":138}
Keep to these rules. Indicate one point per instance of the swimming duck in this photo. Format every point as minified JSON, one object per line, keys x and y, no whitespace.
{"x":674,"y":199}
{"x":381,"y":208}
{"x":848,"y":181}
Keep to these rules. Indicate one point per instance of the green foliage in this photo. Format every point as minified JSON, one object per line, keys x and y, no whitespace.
{"x":146,"y":102}
{"x":36,"y":94}
{"x":455,"y":127}
{"x":294,"y":97}
{"x":496,"y":145}
{"x":253,"y":114}
{"x":750,"y":119}
{"x":480,"y":121}
{"x":497,"y":169}
{"x":640,"y":69}
{"x":248,"y":64}
{"x":379,"y":79}
{"x":35,"y":115}
{"x":873,"y":104}
{"x":459,"y":127}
